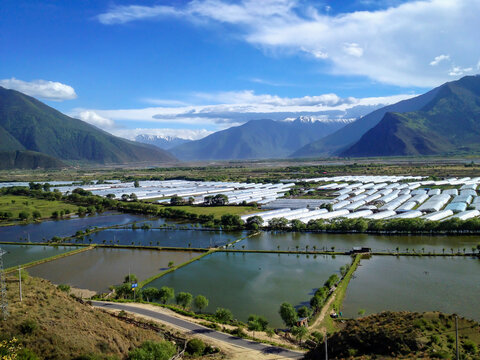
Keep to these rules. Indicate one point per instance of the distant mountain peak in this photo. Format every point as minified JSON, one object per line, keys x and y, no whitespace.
{"x":305,"y":119}
{"x":161,"y":141}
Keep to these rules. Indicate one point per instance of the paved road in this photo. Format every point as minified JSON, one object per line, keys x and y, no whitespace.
{"x":198,"y":329}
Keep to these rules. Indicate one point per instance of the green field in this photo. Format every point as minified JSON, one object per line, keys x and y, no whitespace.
{"x":216,"y":211}
{"x":16,"y":204}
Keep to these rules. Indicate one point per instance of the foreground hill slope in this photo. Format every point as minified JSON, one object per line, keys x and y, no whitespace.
{"x":340,"y":140}
{"x":402,"y":335}
{"x":28,"y":124}
{"x":256,"y":139}
{"x":449,"y":124}
{"x":53,"y":325}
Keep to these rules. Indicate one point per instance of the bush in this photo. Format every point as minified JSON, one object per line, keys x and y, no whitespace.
{"x":27,"y":354}
{"x":470,"y":347}
{"x":223,"y":315}
{"x":64,"y":287}
{"x":195,"y":347}
{"x":150,"y":350}
{"x":28,"y":327}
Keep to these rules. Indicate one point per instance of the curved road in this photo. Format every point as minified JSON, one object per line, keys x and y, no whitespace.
{"x":198,"y":329}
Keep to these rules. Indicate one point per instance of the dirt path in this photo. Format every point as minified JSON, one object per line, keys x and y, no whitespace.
{"x":326,"y":308}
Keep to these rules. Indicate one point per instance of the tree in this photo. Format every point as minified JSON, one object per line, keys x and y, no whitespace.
{"x":165,"y":294}
{"x":125,"y":197}
{"x":200,"y":302}
{"x":133,"y":197}
{"x":288,"y":314}
{"x":136,"y":184}
{"x":223,"y":315}
{"x":151,"y":293}
{"x":23,"y":215}
{"x":130,"y":278}
{"x":299,"y":332}
{"x":254,"y":222}
{"x":176,"y":200}
{"x":110,"y":196}
{"x":184,"y":299}
{"x":257,"y":323}
{"x":36,"y":214}
{"x":304,"y":312}
{"x":46,"y":187}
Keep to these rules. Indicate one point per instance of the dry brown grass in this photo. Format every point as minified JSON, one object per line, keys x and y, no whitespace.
{"x":66,"y":328}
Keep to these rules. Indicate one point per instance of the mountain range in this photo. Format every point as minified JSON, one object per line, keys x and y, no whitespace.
{"x":257,"y":139}
{"x":448,"y":124}
{"x":443,"y":121}
{"x":162,"y":141}
{"x":31,"y":130}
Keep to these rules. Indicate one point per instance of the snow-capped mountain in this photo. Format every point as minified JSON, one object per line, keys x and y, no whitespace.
{"x":162,"y":141}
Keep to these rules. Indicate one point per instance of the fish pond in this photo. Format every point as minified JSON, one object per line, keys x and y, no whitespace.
{"x":99,"y":268}
{"x":164,"y":237}
{"x":44,"y":231}
{"x":343,"y":242}
{"x":24,"y":254}
{"x":447,"y":284}
{"x":253,"y":283}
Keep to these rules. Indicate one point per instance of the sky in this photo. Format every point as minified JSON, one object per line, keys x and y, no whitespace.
{"x":188,"y":68}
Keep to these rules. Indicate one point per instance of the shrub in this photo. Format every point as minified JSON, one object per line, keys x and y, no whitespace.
{"x":64,"y":287}
{"x":470,"y":347}
{"x":195,"y":347}
{"x":150,"y":350}
{"x":28,"y":327}
{"x":223,"y":315}
{"x":27,"y":354}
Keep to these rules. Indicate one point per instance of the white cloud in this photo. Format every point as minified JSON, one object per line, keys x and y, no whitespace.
{"x":124,"y":14}
{"x":227,"y":109}
{"x":48,"y":90}
{"x":93,"y":118}
{"x":458,"y":71}
{"x":438,"y":59}
{"x":188,"y":134}
{"x":353,"y":49}
{"x":393,"y":45}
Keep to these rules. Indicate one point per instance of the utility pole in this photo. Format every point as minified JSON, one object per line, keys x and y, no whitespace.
{"x":456,"y":337}
{"x":326,"y":347}
{"x":3,"y":289}
{"x":20,"y":281}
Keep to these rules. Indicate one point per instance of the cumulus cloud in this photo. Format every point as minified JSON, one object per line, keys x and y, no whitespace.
{"x":394,"y":45}
{"x":227,"y":109}
{"x":93,"y":118}
{"x":48,"y":90}
{"x":438,"y":59}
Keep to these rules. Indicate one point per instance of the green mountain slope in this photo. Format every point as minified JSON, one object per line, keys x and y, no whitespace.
{"x":28,"y":160}
{"x":28,"y":124}
{"x":351,"y":133}
{"x":449,"y":124}
{"x":256,"y":139}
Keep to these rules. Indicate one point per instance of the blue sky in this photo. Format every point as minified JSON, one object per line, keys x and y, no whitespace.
{"x":192,"y":67}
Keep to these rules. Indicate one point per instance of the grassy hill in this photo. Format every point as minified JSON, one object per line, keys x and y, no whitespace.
{"x":402,"y":335}
{"x":55,"y":326}
{"x":28,"y":124}
{"x":448,"y":125}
